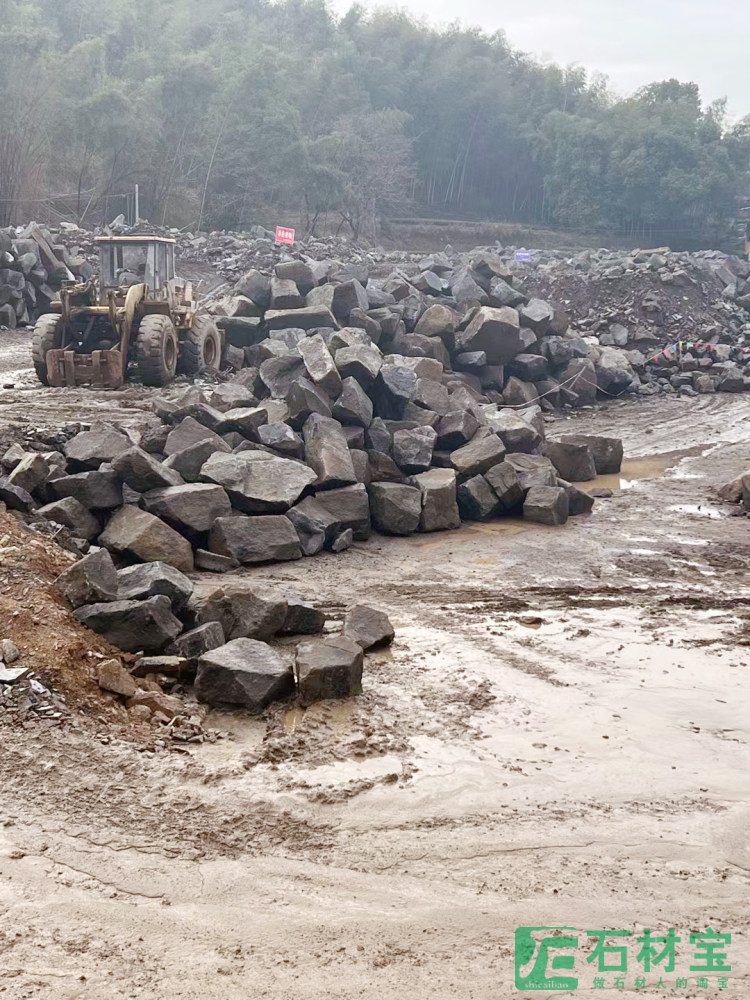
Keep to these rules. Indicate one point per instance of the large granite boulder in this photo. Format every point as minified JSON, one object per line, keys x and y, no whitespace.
{"x":191,"y":645}
{"x":191,"y":460}
{"x":506,"y":485}
{"x":246,"y":673}
{"x":574,"y":462}
{"x":607,"y":451}
{"x":100,"y":489}
{"x":257,"y":482}
{"x":477,"y":501}
{"x":187,"y":433}
{"x":479,"y":455}
{"x":144,"y":580}
{"x":316,"y":527}
{"x":146,"y":537}
{"x":73,"y":515}
{"x":413,"y":448}
{"x":546,"y":505}
{"x":395,"y":507}
{"x":327,"y":452}
{"x":241,"y":609}
{"x":368,"y":627}
{"x":329,"y":668}
{"x":320,"y":364}
{"x":89,"y":449}
{"x":192,"y":507}
{"x":264,"y":538}
{"x":393,"y":389}
{"x":359,"y":361}
{"x":30,"y":473}
{"x":533,"y":470}
{"x":353,"y":405}
{"x":494,"y":331}
{"x":91,"y":580}
{"x":350,"y":506}
{"x":133,"y":625}
{"x":302,"y":617}
{"x":439,"y":507}
{"x":143,"y":472}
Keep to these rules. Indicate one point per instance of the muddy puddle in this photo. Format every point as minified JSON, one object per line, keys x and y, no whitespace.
{"x":699,"y":510}
{"x":496,"y":705}
{"x":244,"y":732}
{"x":650,"y":689}
{"x":336,"y":715}
{"x":636,"y":470}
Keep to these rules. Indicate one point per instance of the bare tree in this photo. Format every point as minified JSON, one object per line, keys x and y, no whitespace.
{"x":372,"y":157}
{"x":27,"y":87}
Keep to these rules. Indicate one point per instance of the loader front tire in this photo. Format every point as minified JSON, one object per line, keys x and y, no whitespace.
{"x":47,"y":337}
{"x":201,"y":346}
{"x":156,"y":350}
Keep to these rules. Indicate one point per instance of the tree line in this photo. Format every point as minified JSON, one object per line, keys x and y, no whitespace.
{"x":228,"y":112}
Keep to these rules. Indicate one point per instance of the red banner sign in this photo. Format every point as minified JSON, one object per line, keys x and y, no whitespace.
{"x":284,"y":235}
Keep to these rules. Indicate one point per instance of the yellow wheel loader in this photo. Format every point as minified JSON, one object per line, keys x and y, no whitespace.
{"x":135,"y":311}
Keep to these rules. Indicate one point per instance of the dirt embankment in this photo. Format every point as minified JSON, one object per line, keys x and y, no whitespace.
{"x":59,"y":650}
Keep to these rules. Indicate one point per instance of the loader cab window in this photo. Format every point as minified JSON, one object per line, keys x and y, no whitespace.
{"x":170,"y":261}
{"x":126,"y":264}
{"x":164,"y":263}
{"x":161,"y":264}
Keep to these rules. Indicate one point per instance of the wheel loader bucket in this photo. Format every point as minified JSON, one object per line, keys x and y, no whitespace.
{"x":100,"y":369}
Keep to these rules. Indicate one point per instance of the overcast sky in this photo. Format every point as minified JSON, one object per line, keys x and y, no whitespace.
{"x":633,"y":42}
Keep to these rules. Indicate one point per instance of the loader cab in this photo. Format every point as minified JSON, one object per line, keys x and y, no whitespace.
{"x":134,"y":260}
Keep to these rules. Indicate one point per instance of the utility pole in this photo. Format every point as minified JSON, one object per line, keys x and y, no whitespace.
{"x":137,"y":213}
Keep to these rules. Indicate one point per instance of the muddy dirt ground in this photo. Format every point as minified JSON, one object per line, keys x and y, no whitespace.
{"x":558,"y":736}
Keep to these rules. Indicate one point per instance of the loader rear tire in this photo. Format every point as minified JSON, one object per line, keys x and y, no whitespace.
{"x":201,"y":346}
{"x":47,"y":337}
{"x":156,"y":350}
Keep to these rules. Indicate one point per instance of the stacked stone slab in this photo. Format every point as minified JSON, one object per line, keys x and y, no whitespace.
{"x":220,"y":637}
{"x":32,"y":267}
{"x":331,"y":326}
{"x":363,"y":404}
{"x":340,"y":438}
{"x":475,"y":315}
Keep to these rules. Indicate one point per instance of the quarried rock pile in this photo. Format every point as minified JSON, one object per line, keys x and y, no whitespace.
{"x":401,"y":405}
{"x":237,"y":501}
{"x":411,"y":447}
{"x":616,"y":309}
{"x":230,"y":641}
{"x":33,"y":265}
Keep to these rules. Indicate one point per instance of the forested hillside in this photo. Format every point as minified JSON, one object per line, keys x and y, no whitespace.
{"x":226,"y":111}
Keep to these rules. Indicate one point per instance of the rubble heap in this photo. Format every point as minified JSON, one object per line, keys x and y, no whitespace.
{"x":22,"y":694}
{"x":163,"y":640}
{"x":334,"y":424}
{"x":230,"y":643}
{"x":484,"y":334}
{"x":630,"y":305}
{"x":220,"y":639}
{"x":33,"y":265}
{"x":326,"y":432}
{"x":232,"y":254}
{"x":339,"y":420}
